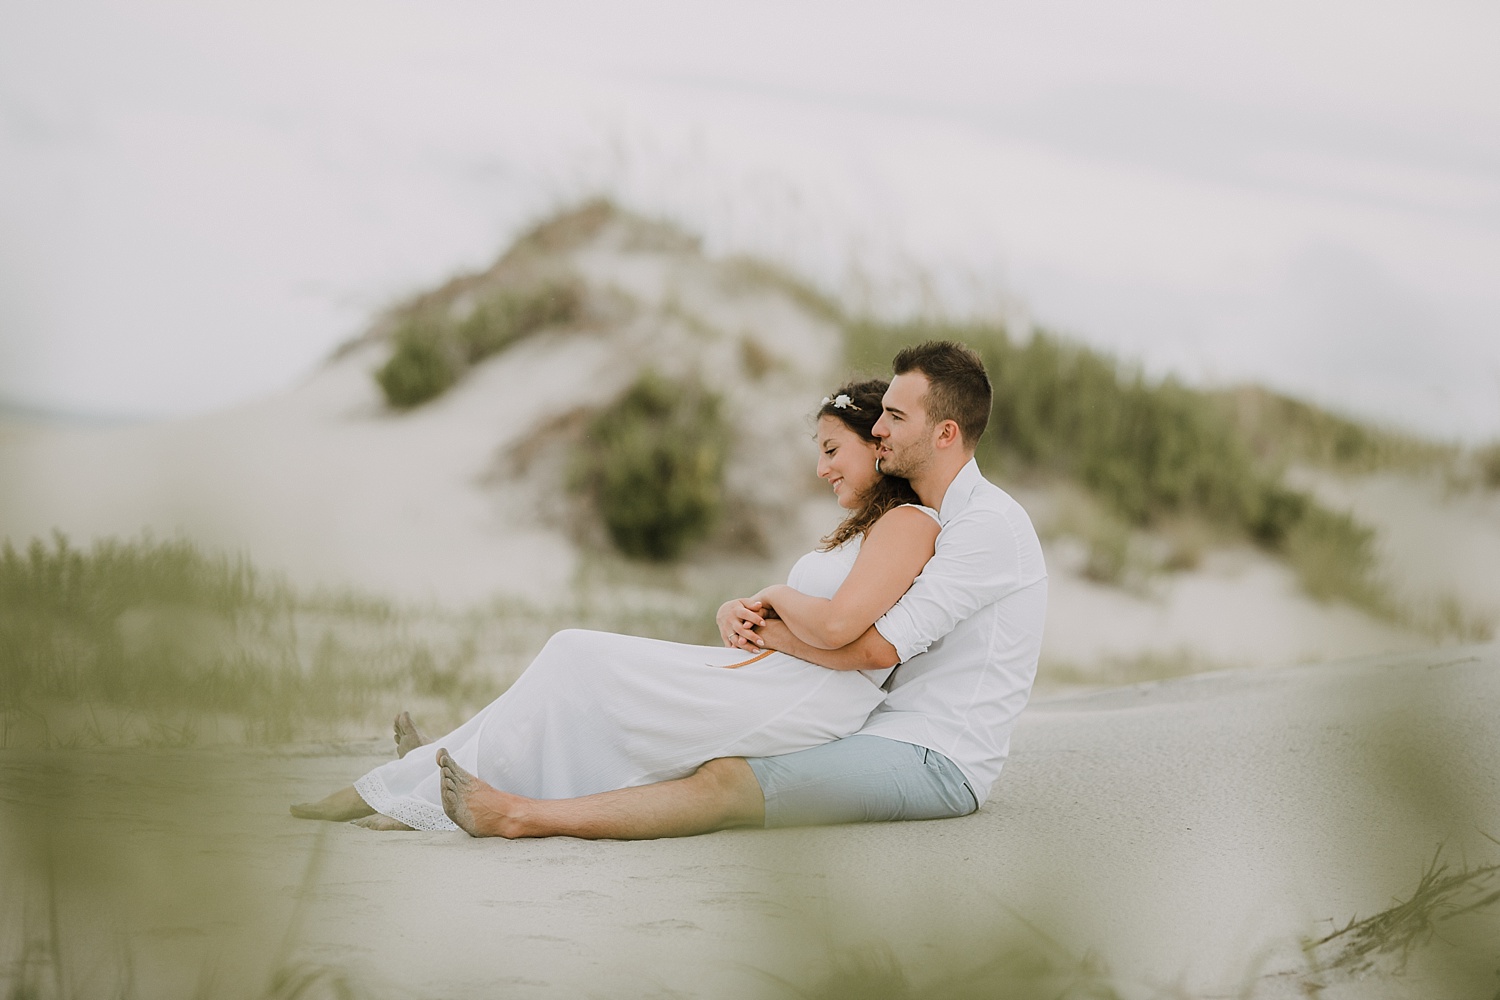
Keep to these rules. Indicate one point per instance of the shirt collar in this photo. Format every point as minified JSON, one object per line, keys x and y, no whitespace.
{"x":958,"y":492}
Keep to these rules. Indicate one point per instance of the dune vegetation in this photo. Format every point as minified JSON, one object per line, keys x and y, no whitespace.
{"x":158,"y":642}
{"x":1151,"y":452}
{"x":1155,"y":452}
{"x":652,"y":464}
{"x":152,"y":642}
{"x":435,"y":342}
{"x":1208,"y":464}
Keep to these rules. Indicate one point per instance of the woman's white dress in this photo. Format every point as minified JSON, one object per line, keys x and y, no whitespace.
{"x":597,"y":711}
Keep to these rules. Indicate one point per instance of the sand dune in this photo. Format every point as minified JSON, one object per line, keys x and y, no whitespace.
{"x":324,"y":484}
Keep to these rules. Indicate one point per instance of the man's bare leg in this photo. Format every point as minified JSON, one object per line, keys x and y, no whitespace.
{"x":720,"y":794}
{"x":408,"y":736}
{"x":343,"y":805}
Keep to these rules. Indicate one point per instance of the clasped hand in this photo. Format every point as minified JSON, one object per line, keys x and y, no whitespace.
{"x":742,"y":620}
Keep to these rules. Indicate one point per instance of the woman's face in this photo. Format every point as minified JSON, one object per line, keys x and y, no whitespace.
{"x":846,"y":460}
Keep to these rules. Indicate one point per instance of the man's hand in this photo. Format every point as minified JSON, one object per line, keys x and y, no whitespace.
{"x":773,"y":634}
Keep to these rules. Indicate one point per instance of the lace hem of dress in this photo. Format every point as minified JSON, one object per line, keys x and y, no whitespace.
{"x":414,"y":813}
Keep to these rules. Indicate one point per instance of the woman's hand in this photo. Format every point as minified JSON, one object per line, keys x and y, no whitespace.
{"x":737,"y":620}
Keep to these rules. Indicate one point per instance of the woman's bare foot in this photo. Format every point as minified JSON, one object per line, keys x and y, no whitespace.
{"x":408,"y":736}
{"x":343,"y":805}
{"x":381,"y":822}
{"x":479,"y":809}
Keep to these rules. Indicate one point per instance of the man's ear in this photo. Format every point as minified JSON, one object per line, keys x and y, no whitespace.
{"x":948,"y":435}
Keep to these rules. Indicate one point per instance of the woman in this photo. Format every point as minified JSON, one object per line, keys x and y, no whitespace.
{"x":597,"y":711}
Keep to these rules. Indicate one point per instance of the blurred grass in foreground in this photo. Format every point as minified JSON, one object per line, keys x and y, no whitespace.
{"x":146,"y":875}
{"x":1439,"y":938}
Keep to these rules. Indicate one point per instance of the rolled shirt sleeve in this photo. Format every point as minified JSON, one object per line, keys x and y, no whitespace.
{"x":975,"y":563}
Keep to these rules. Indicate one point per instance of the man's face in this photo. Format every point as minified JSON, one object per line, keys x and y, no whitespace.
{"x":905,"y":444}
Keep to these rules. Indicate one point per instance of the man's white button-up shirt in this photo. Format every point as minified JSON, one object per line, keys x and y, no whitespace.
{"x":968,"y":632}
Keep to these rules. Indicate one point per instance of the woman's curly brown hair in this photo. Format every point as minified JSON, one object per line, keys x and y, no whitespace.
{"x":887,"y":491}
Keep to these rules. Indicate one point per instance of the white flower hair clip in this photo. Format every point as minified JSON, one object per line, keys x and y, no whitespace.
{"x":840,"y":402}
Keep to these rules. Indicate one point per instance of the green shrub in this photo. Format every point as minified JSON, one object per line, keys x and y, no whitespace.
{"x":508,"y":316}
{"x":1278,"y":512}
{"x":432,"y":351}
{"x":1489,"y":466}
{"x":653,"y":464}
{"x":1334,"y":556}
{"x":423,"y":366}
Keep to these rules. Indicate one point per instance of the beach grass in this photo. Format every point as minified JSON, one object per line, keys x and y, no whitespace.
{"x":151,"y":642}
{"x":1282,"y":431}
{"x":160,"y":642}
{"x":1156,"y":452}
{"x":1442,"y":894}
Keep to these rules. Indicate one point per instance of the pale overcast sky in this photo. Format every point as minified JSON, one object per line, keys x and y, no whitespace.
{"x":199,"y":201}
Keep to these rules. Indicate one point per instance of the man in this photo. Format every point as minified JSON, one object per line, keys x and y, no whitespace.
{"x":967,"y":635}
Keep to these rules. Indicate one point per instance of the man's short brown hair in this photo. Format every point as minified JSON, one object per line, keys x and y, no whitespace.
{"x":958,"y":388}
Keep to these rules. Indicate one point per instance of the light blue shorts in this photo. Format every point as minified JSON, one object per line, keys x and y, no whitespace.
{"x":861,"y":779}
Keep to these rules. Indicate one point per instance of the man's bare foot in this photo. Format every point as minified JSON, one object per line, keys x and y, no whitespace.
{"x":381,"y":822}
{"x":479,"y":809}
{"x":408,"y":736}
{"x":343,"y":805}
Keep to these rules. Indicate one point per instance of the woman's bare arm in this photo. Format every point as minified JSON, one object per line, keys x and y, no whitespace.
{"x":890,"y":558}
{"x":869,"y":652}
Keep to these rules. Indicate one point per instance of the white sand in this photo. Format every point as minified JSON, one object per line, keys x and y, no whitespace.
{"x":1187,"y":834}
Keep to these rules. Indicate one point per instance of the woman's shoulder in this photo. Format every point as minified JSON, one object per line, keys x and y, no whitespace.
{"x":909,"y":510}
{"x":909,"y":517}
